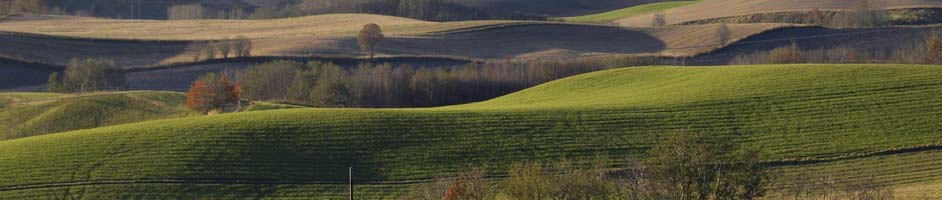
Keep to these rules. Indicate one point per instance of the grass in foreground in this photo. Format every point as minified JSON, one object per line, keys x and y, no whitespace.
{"x":608,"y":17}
{"x":794,"y":111}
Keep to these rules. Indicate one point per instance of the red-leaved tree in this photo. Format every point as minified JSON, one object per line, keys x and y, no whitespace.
{"x":211,"y":92}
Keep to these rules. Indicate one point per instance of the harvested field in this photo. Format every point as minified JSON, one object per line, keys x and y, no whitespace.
{"x":709,"y":9}
{"x":319,"y":25}
{"x":473,"y":39}
{"x":58,"y":50}
{"x":881,"y":42}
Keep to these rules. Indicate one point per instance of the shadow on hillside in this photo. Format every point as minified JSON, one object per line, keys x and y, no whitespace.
{"x":876,"y":40}
{"x":517,"y":41}
{"x":23,"y":76}
{"x":59,"y":50}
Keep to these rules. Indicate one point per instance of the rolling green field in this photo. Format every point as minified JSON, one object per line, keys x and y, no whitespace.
{"x":41,"y":113}
{"x":836,"y":114}
{"x":611,"y":16}
{"x":33,"y":114}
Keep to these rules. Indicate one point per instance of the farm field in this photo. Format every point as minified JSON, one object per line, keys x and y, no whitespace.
{"x":64,"y":38}
{"x":709,"y":9}
{"x":611,"y":16}
{"x":842,"y":116}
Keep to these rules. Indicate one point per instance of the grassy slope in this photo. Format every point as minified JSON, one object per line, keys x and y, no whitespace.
{"x":794,"y":111}
{"x":611,"y":16}
{"x":41,"y":113}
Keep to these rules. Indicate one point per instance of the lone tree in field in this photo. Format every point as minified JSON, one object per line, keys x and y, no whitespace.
{"x":723,"y":34}
{"x":660,"y":19}
{"x":369,"y":38}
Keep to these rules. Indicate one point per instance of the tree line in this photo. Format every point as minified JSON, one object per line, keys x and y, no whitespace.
{"x":239,"y":46}
{"x":924,"y":50}
{"x":384,"y":85}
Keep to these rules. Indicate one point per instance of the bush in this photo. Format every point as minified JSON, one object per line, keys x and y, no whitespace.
{"x":687,"y":166}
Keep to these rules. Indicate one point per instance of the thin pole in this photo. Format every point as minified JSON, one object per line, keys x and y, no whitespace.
{"x":350,"y":174}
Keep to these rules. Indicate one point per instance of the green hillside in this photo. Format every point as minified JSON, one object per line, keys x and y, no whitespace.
{"x":796,"y":112}
{"x":41,"y":113}
{"x":31,"y":114}
{"x":628,"y":12}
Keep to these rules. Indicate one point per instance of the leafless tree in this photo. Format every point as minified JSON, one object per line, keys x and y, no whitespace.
{"x":723,"y":34}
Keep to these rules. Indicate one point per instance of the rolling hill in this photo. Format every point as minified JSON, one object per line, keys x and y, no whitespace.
{"x":611,"y":16}
{"x":803,"y":116}
{"x":709,"y":9}
{"x":30,"y":114}
{"x":41,"y":113}
{"x":174,"y":42}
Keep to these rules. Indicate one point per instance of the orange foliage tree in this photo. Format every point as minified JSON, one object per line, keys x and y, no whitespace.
{"x":211,"y":92}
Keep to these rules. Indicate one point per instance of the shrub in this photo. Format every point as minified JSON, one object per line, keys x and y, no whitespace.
{"x":527,"y":182}
{"x":687,"y":166}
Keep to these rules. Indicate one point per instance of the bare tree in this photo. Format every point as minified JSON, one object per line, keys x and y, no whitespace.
{"x":660,"y":19}
{"x":243,"y":46}
{"x":369,"y":38}
{"x":192,"y":11}
{"x":723,"y":34}
{"x":225,"y":47}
